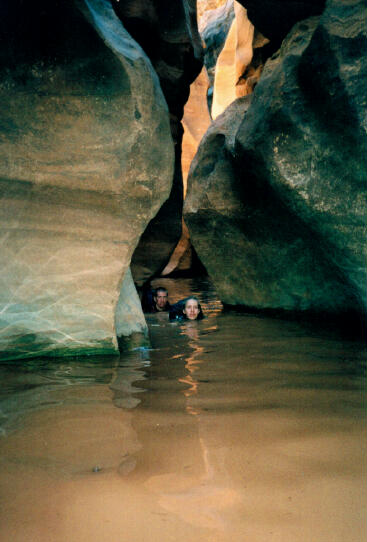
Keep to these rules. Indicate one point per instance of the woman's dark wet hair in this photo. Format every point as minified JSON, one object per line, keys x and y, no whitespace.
{"x":176,"y":311}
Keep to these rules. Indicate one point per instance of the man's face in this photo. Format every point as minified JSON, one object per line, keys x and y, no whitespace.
{"x":161,"y":299}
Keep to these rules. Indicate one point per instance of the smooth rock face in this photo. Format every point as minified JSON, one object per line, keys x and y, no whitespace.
{"x":276,"y":202}
{"x":86,"y":160}
{"x":128,"y":316}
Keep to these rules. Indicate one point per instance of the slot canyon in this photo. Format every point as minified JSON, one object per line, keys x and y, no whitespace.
{"x":92,"y":114}
{"x":215,"y":148}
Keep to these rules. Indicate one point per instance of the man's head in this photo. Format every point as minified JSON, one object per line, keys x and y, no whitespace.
{"x":161,"y":298}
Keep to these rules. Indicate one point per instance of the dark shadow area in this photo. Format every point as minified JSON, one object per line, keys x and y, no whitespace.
{"x":348,"y":325}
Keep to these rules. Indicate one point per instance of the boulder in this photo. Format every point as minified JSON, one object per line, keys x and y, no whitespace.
{"x":86,"y":162}
{"x":276,"y":203}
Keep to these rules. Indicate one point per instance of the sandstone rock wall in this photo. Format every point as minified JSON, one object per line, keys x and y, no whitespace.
{"x":235,"y":54}
{"x":214,"y":26}
{"x":203,"y":6}
{"x":195,"y":122}
{"x":232,"y":62}
{"x":86,"y":160}
{"x":276,"y":203}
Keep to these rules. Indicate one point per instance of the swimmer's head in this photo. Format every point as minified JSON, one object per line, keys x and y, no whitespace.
{"x":192,"y":309}
{"x":161,"y":298}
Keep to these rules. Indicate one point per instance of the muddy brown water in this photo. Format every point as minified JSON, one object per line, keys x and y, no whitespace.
{"x":235,"y":428}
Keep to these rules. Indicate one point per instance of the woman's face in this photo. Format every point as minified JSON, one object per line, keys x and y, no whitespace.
{"x":191,"y":309}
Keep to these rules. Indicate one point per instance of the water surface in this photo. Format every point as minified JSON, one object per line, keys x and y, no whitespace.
{"x":235,"y":428}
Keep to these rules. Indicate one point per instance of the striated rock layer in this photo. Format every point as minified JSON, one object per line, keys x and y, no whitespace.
{"x":86,"y":162}
{"x":276,"y":203}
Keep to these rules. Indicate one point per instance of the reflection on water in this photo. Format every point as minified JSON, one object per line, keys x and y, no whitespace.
{"x":31,"y":384}
{"x":235,"y":428}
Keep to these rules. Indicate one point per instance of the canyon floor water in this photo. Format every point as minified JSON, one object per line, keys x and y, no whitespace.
{"x":239,"y":427}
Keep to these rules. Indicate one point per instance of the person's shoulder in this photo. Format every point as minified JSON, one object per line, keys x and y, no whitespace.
{"x":176,"y":310}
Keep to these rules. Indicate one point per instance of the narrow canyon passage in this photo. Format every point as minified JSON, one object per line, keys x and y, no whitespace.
{"x":237,"y":427}
{"x":208,"y":147}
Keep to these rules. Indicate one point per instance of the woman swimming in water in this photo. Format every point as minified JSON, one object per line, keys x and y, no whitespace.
{"x":186,"y":309}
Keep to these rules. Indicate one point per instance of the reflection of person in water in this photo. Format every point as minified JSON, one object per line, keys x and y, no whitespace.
{"x":186,"y":309}
{"x":156,"y":300}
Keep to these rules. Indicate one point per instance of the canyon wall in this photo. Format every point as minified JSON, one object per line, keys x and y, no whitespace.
{"x":92,"y":96}
{"x":168,"y":33}
{"x":276,"y":203}
{"x":87,"y":159}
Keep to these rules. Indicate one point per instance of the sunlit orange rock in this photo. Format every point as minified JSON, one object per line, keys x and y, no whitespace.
{"x":205,"y":5}
{"x":196,"y":120}
{"x":235,"y":76}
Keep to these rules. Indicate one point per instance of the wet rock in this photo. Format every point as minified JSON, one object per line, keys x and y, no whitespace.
{"x":128,"y":316}
{"x":276,"y":202}
{"x":86,"y":162}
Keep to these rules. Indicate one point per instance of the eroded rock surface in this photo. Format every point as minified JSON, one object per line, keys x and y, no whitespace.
{"x":235,"y":72}
{"x":214,"y":26}
{"x":235,"y":54}
{"x":86,"y":161}
{"x":276,"y":203}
